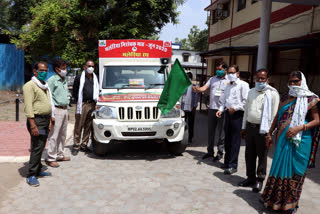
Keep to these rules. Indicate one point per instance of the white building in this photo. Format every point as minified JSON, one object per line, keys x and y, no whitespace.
{"x":191,"y":62}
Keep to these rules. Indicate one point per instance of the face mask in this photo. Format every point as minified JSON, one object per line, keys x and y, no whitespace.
{"x":42,"y":75}
{"x":232,"y":77}
{"x":220,"y":73}
{"x":293,"y":89}
{"x":260,"y":85}
{"x":90,"y":70}
{"x":63,"y":73}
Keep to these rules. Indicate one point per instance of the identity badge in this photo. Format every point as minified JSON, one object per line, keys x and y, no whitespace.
{"x":218,"y":92}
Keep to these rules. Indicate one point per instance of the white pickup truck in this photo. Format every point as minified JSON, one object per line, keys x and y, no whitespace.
{"x":132,"y":74}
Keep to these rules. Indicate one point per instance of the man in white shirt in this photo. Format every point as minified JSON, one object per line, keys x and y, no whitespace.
{"x":189,"y":103}
{"x":232,"y":102}
{"x":260,"y":110}
{"x":217,"y":85}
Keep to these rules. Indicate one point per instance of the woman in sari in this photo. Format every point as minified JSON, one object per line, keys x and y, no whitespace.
{"x":297,"y":115}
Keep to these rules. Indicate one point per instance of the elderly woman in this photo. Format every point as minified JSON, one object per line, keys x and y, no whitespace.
{"x":296,"y":117}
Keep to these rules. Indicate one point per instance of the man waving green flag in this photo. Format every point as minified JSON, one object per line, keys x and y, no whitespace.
{"x":175,"y":86}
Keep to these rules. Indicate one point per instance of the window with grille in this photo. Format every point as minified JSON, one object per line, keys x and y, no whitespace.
{"x":241,"y":4}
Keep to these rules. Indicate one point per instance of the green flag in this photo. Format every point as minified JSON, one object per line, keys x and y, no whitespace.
{"x":175,"y":86}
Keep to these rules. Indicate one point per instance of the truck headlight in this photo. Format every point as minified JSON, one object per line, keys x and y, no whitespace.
{"x":106,"y":112}
{"x":171,"y":114}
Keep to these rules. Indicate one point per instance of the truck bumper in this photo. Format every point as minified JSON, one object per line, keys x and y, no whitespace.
{"x":169,"y":129}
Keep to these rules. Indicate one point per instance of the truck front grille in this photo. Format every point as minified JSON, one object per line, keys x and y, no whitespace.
{"x":140,"y":114}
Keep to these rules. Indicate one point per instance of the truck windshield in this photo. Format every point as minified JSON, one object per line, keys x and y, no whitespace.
{"x":133,"y":77}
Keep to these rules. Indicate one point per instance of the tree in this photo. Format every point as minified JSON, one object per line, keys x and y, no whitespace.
{"x":71,"y":28}
{"x":184,"y":43}
{"x":19,"y":12}
{"x":4,"y":5}
{"x":197,"y":40}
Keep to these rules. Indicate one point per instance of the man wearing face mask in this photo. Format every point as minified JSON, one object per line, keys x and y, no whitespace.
{"x":232,"y":102}
{"x":260,"y":110}
{"x":59,"y":89}
{"x":37,"y":108}
{"x":217,"y":85}
{"x":86,"y":93}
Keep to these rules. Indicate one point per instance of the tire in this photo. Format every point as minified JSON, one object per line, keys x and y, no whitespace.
{"x":100,"y":149}
{"x":177,"y":148}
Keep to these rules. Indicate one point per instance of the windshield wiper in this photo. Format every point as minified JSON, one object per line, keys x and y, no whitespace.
{"x":154,"y":85}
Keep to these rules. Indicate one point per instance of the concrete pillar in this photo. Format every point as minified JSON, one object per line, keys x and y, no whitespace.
{"x":264,"y":34}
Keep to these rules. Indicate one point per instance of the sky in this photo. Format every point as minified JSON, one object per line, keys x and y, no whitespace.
{"x":191,"y":13}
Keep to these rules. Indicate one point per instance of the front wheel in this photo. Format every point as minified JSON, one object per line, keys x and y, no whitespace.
{"x":178,"y":147}
{"x":100,"y":149}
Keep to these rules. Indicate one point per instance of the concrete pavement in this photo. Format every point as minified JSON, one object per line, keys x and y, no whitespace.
{"x":144,"y":178}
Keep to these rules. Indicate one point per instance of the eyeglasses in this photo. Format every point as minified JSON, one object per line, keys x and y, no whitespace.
{"x":293,"y":81}
{"x":42,"y":70}
{"x":90,"y":66}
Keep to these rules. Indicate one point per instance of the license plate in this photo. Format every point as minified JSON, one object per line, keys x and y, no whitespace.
{"x":139,"y":129}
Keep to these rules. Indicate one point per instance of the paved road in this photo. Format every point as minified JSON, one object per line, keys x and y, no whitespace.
{"x":144,"y":178}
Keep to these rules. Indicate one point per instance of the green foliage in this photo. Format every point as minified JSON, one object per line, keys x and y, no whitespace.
{"x":71,"y":28}
{"x":197,"y":40}
{"x":19,"y":13}
{"x":4,"y":13}
{"x":184,"y":43}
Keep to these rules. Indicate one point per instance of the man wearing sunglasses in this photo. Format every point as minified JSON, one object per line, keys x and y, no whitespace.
{"x":86,"y":93}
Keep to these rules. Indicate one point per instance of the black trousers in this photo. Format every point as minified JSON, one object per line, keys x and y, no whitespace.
{"x":255,"y":147}
{"x":190,"y":116}
{"x":38,"y":144}
{"x":215,"y":132}
{"x":233,"y":140}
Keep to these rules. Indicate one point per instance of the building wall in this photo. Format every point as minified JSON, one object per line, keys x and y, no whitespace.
{"x":177,"y":54}
{"x":242,"y":62}
{"x":193,"y":65}
{"x":288,"y":21}
{"x":12,"y":67}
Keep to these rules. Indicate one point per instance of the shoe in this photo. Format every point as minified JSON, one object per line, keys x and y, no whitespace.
{"x":33,"y":181}
{"x":75,"y":152}
{"x":230,"y":171}
{"x":53,"y":164}
{"x":44,"y":174}
{"x":217,"y":158}
{"x":64,"y":159}
{"x":246,"y":183}
{"x":86,"y":149}
{"x":257,"y":187}
{"x":207,"y":156}
{"x":223,"y":166}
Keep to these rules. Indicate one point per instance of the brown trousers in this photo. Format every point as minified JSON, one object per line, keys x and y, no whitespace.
{"x":83,"y":122}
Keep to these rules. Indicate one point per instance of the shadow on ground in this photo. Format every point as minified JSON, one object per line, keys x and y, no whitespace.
{"x":231,"y":179}
{"x":253,"y":200}
{"x":142,"y":150}
{"x":23,"y":170}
